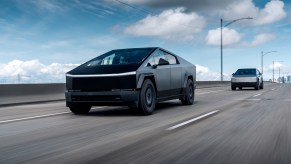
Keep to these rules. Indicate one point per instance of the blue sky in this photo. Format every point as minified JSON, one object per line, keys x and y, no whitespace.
{"x":42,"y":39}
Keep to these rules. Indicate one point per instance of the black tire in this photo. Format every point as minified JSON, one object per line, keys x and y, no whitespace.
{"x":240,"y":88}
{"x":189,"y":94}
{"x":80,"y":109}
{"x":262,"y":85}
{"x":233,"y":87}
{"x":257,"y":85}
{"x":147,"y":98}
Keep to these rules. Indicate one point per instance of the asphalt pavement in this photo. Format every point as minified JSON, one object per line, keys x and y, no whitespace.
{"x":223,"y":126}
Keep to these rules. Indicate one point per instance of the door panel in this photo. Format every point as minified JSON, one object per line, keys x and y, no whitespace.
{"x":163,"y":77}
{"x":176,"y":82}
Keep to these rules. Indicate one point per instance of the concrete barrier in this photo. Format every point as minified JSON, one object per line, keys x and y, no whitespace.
{"x":13,"y":94}
{"x":210,"y":84}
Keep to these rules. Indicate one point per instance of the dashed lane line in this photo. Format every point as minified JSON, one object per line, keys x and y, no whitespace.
{"x":257,"y":95}
{"x":192,"y":120}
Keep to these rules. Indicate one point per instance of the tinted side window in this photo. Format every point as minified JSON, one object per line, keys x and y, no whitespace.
{"x":154,"y":60}
{"x":151,"y":62}
{"x":258,"y":72}
{"x":172,"y":59}
{"x":159,"y":55}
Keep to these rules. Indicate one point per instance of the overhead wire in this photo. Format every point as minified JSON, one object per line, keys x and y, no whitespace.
{"x":145,"y":11}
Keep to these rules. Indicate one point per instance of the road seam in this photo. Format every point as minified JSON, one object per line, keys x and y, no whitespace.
{"x":192,"y":120}
{"x":208,"y":92}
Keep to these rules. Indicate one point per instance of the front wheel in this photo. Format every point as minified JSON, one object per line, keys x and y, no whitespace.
{"x":257,"y":87}
{"x":80,"y":109}
{"x":189,"y":95}
{"x":262,"y":85}
{"x":147,"y":98}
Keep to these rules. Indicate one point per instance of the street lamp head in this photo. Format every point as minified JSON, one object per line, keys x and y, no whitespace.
{"x":231,"y":22}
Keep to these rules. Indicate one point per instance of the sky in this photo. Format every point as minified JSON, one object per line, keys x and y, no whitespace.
{"x":40,"y":40}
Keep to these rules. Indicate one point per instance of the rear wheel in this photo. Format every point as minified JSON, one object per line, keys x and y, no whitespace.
{"x":147,"y":97}
{"x":240,"y":88}
{"x":189,"y":95}
{"x":80,"y":109}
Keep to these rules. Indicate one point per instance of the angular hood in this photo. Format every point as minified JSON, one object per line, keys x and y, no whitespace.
{"x":103,"y":69}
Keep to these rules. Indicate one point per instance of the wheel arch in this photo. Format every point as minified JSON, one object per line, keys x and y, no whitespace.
{"x":143,"y":77}
{"x":187,"y":77}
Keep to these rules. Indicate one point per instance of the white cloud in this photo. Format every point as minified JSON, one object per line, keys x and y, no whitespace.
{"x":170,"y":24}
{"x":204,"y":74}
{"x":260,"y":39}
{"x":277,"y":65}
{"x":230,"y":36}
{"x":33,"y":71}
{"x":272,"y":12}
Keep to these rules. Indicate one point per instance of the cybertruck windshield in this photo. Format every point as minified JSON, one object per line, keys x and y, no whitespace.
{"x":120,"y":57}
{"x":245,"y":72}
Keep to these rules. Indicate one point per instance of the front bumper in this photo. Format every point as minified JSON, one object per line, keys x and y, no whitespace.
{"x":110,"y":98}
{"x":244,"y":84}
{"x":244,"y":79}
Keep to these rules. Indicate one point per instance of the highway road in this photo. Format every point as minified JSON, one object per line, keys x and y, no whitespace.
{"x":223,"y":126}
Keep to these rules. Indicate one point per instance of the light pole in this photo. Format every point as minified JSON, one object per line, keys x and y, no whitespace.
{"x":274,"y":69}
{"x":279,"y":76}
{"x":262,"y":59}
{"x":221,"y":42}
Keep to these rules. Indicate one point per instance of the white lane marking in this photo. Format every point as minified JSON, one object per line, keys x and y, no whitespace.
{"x":273,"y":89}
{"x":257,"y":95}
{"x":192,"y":120}
{"x":40,"y":116}
{"x":208,"y":92}
{"x":33,"y":117}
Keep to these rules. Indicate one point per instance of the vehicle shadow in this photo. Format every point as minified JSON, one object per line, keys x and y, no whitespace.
{"x":126,"y":111}
{"x":246,"y":89}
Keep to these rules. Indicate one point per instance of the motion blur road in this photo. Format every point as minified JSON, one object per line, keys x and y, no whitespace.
{"x":223,"y":126}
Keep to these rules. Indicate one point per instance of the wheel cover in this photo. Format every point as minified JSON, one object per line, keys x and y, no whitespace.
{"x":190,"y":91}
{"x":149,"y":96}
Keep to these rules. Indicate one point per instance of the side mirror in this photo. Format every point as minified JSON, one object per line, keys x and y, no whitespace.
{"x":163,"y":62}
{"x":233,"y":73}
{"x":260,"y":73}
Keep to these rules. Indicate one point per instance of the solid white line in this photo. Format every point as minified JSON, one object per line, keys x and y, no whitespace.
{"x":40,"y":116}
{"x":192,"y":120}
{"x":208,"y":92}
{"x":33,"y":117}
{"x":257,"y":95}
